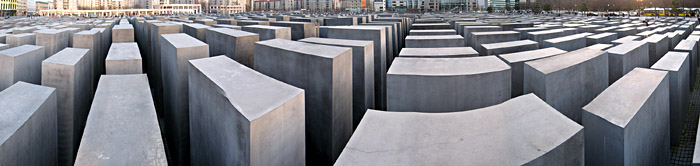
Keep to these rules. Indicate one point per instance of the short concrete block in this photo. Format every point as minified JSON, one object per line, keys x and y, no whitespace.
{"x":235,"y":44}
{"x":123,"y":33}
{"x":625,"y":57}
{"x":517,"y":64}
{"x":434,"y":41}
{"x":21,"y":39}
{"x":444,"y":52}
{"x":270,"y":32}
{"x":22,"y":63}
{"x":123,"y":58}
{"x":507,"y":47}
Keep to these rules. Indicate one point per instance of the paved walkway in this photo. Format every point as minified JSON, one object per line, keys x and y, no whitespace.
{"x":683,"y":154}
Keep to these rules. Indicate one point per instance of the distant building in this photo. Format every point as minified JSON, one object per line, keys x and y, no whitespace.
{"x":379,"y":5}
{"x":41,"y":5}
{"x":66,"y":4}
{"x":8,"y":7}
{"x":26,"y":7}
{"x":355,"y":5}
{"x":501,"y":4}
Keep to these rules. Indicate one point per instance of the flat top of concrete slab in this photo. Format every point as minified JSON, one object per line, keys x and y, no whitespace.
{"x":691,"y":37}
{"x":530,"y":55}
{"x":559,"y":62}
{"x":47,"y":31}
{"x":686,"y":45}
{"x":68,"y":56}
{"x":443,"y":51}
{"x":626,"y":47}
{"x":620,"y":102}
{"x":21,"y":35}
{"x":428,"y":37}
{"x":568,"y":38}
{"x":482,"y":27}
{"x":446,"y":66}
{"x":181,"y":40}
{"x":306,"y":48}
{"x":434,"y":30}
{"x":233,"y":32}
{"x":20,"y":50}
{"x":671,"y":34}
{"x":197,"y":26}
{"x":529,"y":29}
{"x":494,"y":33}
{"x":19,"y":102}
{"x":626,"y":39}
{"x":123,"y":51}
{"x":655,"y":38}
{"x":253,"y":94}
{"x":266,"y":27}
{"x":601,"y":35}
{"x":338,"y":42}
{"x":546,"y":31}
{"x":514,"y":132}
{"x":122,"y":127}
{"x":123,"y":26}
{"x":98,"y":29}
{"x":429,"y":24}
{"x":357,"y":27}
{"x":87,"y":33}
{"x":672,"y":61}
{"x":508,"y":44}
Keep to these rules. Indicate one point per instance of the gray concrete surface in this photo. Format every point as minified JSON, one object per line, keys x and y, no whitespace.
{"x":22,"y":63}
{"x":123,"y":58}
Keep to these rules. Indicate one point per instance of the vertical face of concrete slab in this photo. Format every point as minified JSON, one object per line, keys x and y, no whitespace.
{"x":677,"y":64}
{"x":479,"y":38}
{"x":69,"y":72}
{"x":434,"y":41}
{"x":123,"y":58}
{"x":123,"y":33}
{"x":444,"y":84}
{"x":122,"y":125}
{"x":52,"y":40}
{"x":625,"y":57}
{"x":198,"y":31}
{"x":156,"y":30}
{"x":22,"y":63}
{"x":568,"y":81}
{"x":300,"y":30}
{"x":262,"y":119}
{"x":445,"y":52}
{"x":628,"y":123}
{"x":362,"y":73}
{"x":658,"y":46}
{"x":325,"y":72}
{"x":270,"y":32}
{"x":377,"y":36}
{"x":507,"y":47}
{"x":517,"y":62}
{"x":568,"y":43}
{"x":177,"y":49}
{"x":28,"y":125}
{"x":90,"y":40}
{"x":235,"y":44}
{"x":21,"y":39}
{"x":510,"y":133}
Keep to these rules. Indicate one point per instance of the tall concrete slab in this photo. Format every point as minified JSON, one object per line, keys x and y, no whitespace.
{"x":376,"y":35}
{"x":154,"y":70}
{"x":21,"y":39}
{"x":690,"y":47}
{"x":677,"y":64}
{"x":445,"y":84}
{"x":176,"y":51}
{"x":52,"y":40}
{"x":198,"y":31}
{"x":235,"y":44}
{"x":91,"y":40}
{"x":69,"y":72}
{"x":123,"y":33}
{"x":521,"y":131}
{"x":28,"y":125}
{"x":628,"y":123}
{"x":625,"y":57}
{"x":658,"y":46}
{"x":123,"y":58}
{"x":517,"y":64}
{"x":247,"y":118}
{"x":122,"y":127}
{"x":325,"y":73}
{"x":362,"y":73}
{"x":270,"y":32}
{"x":22,"y":63}
{"x":568,"y":81}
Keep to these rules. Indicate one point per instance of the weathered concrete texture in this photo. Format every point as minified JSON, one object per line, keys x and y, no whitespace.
{"x":628,"y":123}
{"x":602,"y":38}
{"x":91,"y":40}
{"x":22,"y":63}
{"x":122,"y":128}
{"x":433,"y":32}
{"x":235,"y":44}
{"x":479,"y":38}
{"x":325,"y":72}
{"x":625,"y":57}
{"x":123,"y":33}
{"x":677,"y":64}
{"x":52,"y":40}
{"x":270,"y":32}
{"x":658,"y":46}
{"x":207,"y":22}
{"x":444,"y":84}
{"x":300,"y":30}
{"x":198,"y":31}
{"x":392,"y":41}
{"x":362,"y":73}
{"x":377,"y":36}
{"x":21,"y":39}
{"x":154,"y":71}
{"x":177,"y":50}
{"x":517,"y":61}
{"x":444,"y":52}
{"x":568,"y":43}
{"x":674,"y":39}
{"x":247,"y":118}
{"x":521,"y":131}
{"x":123,"y":58}
{"x":28,"y":125}
{"x":434,"y":41}
{"x":507,"y":47}
{"x":69,"y":72}
{"x":568,"y":81}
